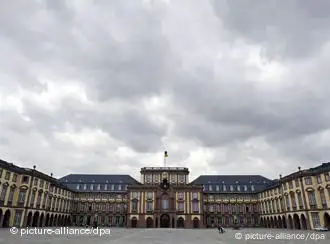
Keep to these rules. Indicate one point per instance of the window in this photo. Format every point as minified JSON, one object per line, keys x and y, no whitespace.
{"x":7,"y":175}
{"x":308,"y":180}
{"x":195,"y":195}
{"x":92,"y":187}
{"x":134,"y":206}
{"x":35,"y":182}
{"x":3,"y":193}
{"x":238,"y":188}
{"x":25,"y":179}
{"x":11,"y":195}
{"x":319,"y":179}
{"x":180,"y":206}
{"x":165,"y":204}
{"x":21,"y":196}
{"x":41,"y":184}
{"x":231,"y":188}
{"x":135,"y":195}
{"x":149,"y":206}
{"x":14,"y":178}
{"x":17,"y":219}
{"x":78,"y":187}
{"x":323,"y":199}
{"x":311,"y":197}
{"x":32,"y":198}
{"x":224,"y":188}
{"x":285,"y":186}
{"x":316,"y":219}
{"x":149,"y":195}
{"x":217,"y":188}
{"x":180,"y":195}
{"x":290,"y":185}
{"x":211,"y":208}
{"x":252,"y":188}
{"x":245,"y":188}
{"x":112,"y":187}
{"x":105,"y":187}
{"x":181,"y":178}
{"x":148,"y":178}
{"x":327,"y":176}
{"x":210,"y":188}
{"x":98,"y":187}
{"x":300,"y":201}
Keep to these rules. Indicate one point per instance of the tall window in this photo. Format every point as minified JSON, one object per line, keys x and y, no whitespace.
{"x":180,"y":195}
{"x":21,"y":196}
{"x":165,"y":204}
{"x":3,"y":193}
{"x":7,"y":175}
{"x":11,"y":195}
{"x":300,"y":201}
{"x":297,"y":182}
{"x":149,"y":195}
{"x":180,"y":206}
{"x":134,"y":206}
{"x":323,"y":199}
{"x":311,"y":197}
{"x":17,"y":219}
{"x":316,"y":219}
{"x":195,"y":195}
{"x":195,"y":206}
{"x":318,"y":179}
{"x":149,"y":206}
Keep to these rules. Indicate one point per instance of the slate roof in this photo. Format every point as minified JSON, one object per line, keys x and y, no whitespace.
{"x":98,"y":183}
{"x":96,"y":178}
{"x":232,"y":183}
{"x":230,"y":179}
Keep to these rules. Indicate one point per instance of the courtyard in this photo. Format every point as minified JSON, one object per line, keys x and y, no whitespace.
{"x":171,"y":236}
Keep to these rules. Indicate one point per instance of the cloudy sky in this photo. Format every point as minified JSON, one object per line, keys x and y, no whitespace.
{"x":228,"y":87}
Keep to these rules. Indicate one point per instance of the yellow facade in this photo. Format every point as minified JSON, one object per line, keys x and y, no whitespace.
{"x":298,"y":201}
{"x":29,"y":197}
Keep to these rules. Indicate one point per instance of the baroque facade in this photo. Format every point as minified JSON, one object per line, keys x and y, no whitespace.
{"x":164,"y":197}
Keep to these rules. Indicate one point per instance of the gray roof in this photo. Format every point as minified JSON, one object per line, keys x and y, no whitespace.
{"x":96,"y":178}
{"x":231,"y":179}
{"x":232,"y":183}
{"x":98,"y":183}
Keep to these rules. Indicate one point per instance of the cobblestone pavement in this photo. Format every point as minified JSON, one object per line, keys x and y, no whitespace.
{"x":171,"y":236}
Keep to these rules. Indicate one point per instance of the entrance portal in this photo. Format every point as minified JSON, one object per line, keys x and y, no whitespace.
{"x":165,"y":221}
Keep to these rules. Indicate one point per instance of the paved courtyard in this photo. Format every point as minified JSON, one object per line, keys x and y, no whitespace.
{"x":171,"y":236}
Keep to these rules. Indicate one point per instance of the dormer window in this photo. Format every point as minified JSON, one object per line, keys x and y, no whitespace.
{"x":119,"y":188}
{"x":252,"y":188}
{"x":78,"y":187}
{"x":245,"y":188}
{"x":85,"y":187}
{"x":105,"y":187}
{"x":92,"y":187}
{"x":112,"y":187}
{"x":238,"y":188}
{"x":224,"y":188}
{"x":217,"y":188}
{"x":210,"y":187}
{"x":98,"y":187}
{"x":231,"y":188}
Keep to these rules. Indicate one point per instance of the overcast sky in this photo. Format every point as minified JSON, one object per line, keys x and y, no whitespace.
{"x":229,"y":87}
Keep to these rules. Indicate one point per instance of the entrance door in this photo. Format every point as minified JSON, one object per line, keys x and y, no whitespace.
{"x":196,"y":222}
{"x":134,"y":222}
{"x":165,"y":221}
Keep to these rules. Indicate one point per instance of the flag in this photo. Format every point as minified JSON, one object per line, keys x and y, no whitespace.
{"x":165,"y":154}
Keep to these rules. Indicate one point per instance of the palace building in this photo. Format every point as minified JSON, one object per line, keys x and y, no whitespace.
{"x":164,"y":197}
